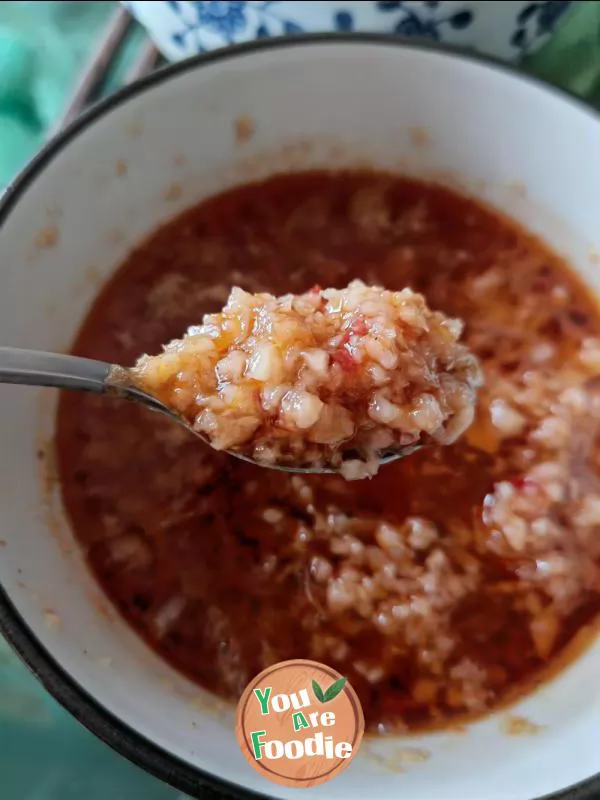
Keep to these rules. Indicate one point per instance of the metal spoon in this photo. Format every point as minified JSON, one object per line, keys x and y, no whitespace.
{"x":36,"y":368}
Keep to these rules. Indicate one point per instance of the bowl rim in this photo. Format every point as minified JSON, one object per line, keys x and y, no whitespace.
{"x":66,"y":690}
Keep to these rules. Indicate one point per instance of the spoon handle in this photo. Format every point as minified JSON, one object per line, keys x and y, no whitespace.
{"x":36,"y":368}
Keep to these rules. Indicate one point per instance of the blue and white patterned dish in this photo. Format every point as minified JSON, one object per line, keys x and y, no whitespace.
{"x":504,"y":29}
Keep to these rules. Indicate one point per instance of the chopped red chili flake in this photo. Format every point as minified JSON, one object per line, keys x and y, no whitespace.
{"x":524,"y":482}
{"x":360,"y":327}
{"x":344,"y":359}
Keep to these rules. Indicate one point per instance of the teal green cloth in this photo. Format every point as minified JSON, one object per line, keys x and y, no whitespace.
{"x":45,"y":754}
{"x":43,"y":46}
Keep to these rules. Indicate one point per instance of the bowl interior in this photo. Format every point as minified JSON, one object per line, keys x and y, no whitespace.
{"x":163,"y":146}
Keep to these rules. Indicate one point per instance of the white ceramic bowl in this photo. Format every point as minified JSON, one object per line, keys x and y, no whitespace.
{"x":502,"y":28}
{"x":73,"y":215}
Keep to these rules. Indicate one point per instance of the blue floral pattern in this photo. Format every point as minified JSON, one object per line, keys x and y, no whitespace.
{"x":412,"y":25}
{"x":343,"y":21}
{"x":199,"y":26}
{"x":225,"y":17}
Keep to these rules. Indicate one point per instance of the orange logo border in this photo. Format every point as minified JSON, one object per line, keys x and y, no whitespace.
{"x":348,"y":703}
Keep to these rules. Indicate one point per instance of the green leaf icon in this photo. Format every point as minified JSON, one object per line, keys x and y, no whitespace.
{"x":334,"y":690}
{"x":318,"y":692}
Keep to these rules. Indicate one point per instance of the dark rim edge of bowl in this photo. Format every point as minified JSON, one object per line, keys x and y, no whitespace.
{"x":66,"y":690}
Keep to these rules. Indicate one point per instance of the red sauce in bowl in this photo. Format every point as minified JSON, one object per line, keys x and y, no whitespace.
{"x":450,"y":581}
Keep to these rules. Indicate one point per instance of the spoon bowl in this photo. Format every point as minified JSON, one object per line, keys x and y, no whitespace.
{"x":37,"y":368}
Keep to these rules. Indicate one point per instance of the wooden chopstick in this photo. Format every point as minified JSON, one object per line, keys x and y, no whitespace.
{"x":145,"y":63}
{"x":96,"y":67}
